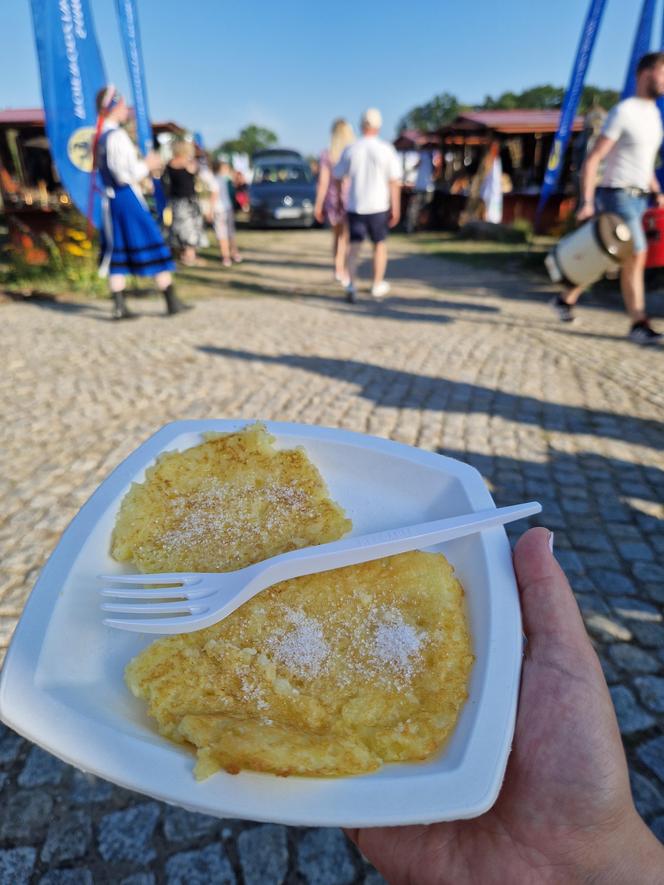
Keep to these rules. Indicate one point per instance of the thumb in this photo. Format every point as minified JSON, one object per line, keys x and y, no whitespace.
{"x":551,"y":616}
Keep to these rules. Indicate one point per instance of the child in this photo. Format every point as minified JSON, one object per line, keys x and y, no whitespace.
{"x":223,"y":214}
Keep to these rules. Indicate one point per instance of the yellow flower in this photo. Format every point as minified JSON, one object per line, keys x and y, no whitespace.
{"x":76,"y":234}
{"x":74,"y":250}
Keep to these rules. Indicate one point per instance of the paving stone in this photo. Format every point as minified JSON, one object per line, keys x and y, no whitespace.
{"x":648,"y":798}
{"x":652,"y":754}
{"x":589,"y":540}
{"x":605,"y":628}
{"x":127,"y":834}
{"x":263,"y":855}
{"x":25,"y":815}
{"x":41,"y":769}
{"x":324,"y":858}
{"x":612,"y":582}
{"x":68,"y":837}
{"x":86,"y":788}
{"x":139,"y":879}
{"x":10,"y":746}
{"x":202,"y":867}
{"x":634,"y":551}
{"x":78,"y":876}
{"x":632,"y":658}
{"x":570,"y":562}
{"x":16,"y":866}
{"x":657,"y":826}
{"x":373,"y":877}
{"x":610,"y":673}
{"x":631,"y":716}
{"x":187,"y":826}
{"x":649,"y":571}
{"x":651,"y":692}
{"x":636,"y":610}
{"x":648,"y":634}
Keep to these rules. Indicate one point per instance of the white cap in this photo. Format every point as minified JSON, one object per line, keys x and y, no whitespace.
{"x":371,"y":119}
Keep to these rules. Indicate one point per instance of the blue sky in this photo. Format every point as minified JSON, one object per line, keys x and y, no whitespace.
{"x":294,"y":65}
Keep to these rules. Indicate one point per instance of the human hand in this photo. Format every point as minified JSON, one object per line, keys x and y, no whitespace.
{"x":659,"y":200}
{"x":565,"y":812}
{"x":584,"y":212}
{"x":319,"y":215}
{"x":395,"y":216}
{"x":153,"y":161}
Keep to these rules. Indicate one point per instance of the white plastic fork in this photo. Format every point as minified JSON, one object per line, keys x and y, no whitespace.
{"x":203,"y":598}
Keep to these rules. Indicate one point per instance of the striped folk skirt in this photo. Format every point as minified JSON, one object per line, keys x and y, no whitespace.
{"x":131,"y":242}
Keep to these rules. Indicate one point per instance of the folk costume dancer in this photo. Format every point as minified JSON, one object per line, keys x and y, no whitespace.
{"x":131,"y":242}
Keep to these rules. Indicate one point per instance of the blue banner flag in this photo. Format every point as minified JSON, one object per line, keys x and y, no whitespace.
{"x":571,"y":101}
{"x":71,"y":73}
{"x":131,"y":43}
{"x":641,"y":45}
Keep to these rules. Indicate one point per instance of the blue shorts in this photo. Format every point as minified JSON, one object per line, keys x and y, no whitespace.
{"x":375,"y":226}
{"x":629,"y":208}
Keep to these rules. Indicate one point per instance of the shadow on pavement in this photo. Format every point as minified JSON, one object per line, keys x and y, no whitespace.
{"x":398,"y":389}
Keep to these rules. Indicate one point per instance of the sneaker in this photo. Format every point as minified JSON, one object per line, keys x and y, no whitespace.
{"x":564,"y":310}
{"x":643,"y":333}
{"x":351,"y":293}
{"x":380,"y":290}
{"x":122,"y":313}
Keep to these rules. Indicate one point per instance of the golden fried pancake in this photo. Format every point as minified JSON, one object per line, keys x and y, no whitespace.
{"x":329,"y":674}
{"x":219,"y":506}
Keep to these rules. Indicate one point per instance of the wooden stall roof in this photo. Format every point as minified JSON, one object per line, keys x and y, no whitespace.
{"x":513,"y":122}
{"x":11,"y":118}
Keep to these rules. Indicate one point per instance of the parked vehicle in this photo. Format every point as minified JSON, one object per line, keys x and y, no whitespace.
{"x":282,"y":191}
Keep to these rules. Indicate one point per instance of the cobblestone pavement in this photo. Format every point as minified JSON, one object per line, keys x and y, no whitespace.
{"x":461,"y":361}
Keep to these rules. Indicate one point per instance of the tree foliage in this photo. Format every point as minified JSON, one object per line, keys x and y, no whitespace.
{"x":443,"y":108}
{"x":249,"y":140}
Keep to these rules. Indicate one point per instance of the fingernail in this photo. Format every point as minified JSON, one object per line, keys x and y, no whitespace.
{"x":551,"y":541}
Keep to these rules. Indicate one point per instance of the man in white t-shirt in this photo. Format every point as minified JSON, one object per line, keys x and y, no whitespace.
{"x":374,"y":172}
{"x":629,"y":143}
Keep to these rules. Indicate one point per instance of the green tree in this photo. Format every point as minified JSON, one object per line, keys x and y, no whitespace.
{"x":249,"y":140}
{"x":442,"y":109}
{"x":550,"y":97}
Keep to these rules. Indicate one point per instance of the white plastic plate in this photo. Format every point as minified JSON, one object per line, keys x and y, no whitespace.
{"x":62,"y":682}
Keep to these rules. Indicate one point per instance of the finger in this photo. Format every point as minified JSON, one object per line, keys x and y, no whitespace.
{"x":550,"y":612}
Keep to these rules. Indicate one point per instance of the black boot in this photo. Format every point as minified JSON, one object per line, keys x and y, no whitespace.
{"x":120,"y":309}
{"x":173,"y":303}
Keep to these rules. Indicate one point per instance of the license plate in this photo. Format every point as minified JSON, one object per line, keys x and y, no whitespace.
{"x":287,"y":212}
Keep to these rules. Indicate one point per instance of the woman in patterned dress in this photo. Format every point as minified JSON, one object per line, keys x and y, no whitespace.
{"x":331,"y":196}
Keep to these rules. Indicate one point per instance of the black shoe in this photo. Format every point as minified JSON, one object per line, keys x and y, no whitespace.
{"x":120,"y":309}
{"x":173,"y":303}
{"x":351,"y":293}
{"x":564,"y":311}
{"x":642,"y":333}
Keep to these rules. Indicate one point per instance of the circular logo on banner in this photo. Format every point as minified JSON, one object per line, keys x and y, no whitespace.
{"x":79,"y":148}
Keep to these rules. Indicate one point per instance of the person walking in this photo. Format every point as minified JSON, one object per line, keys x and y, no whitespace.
{"x":180,"y":180}
{"x":629,"y":145}
{"x":374,"y":172}
{"x":223,"y":213}
{"x":332,"y":197}
{"x":131,"y":242}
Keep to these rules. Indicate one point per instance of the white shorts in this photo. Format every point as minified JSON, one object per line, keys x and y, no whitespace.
{"x":224,"y":224}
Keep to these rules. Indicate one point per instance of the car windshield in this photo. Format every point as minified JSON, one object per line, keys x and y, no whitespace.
{"x":281,"y":173}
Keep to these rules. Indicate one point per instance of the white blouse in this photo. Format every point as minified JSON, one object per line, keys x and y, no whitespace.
{"x":122,"y":157}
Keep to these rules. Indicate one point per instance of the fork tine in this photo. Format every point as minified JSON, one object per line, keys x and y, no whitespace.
{"x":154,"y":594}
{"x":150,"y":625}
{"x":155,"y":578}
{"x":155,"y":608}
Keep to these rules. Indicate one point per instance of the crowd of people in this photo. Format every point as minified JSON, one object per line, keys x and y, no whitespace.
{"x":358,"y":197}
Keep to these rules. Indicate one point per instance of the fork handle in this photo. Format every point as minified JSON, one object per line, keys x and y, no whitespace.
{"x":351,"y":551}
